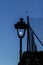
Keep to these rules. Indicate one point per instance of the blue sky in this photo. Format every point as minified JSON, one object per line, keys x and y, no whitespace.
{"x":10,"y":12}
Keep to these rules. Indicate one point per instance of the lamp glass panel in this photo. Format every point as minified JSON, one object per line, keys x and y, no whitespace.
{"x":21,"y":32}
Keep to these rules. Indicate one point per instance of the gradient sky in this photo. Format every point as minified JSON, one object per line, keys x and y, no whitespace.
{"x":10,"y":12}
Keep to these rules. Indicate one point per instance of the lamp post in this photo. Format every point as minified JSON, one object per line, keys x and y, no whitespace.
{"x":21,"y":25}
{"x":28,"y":57}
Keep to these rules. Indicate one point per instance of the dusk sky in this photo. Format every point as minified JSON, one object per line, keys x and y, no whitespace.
{"x":10,"y":12}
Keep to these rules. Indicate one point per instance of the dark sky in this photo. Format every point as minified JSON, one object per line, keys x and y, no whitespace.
{"x":10,"y":12}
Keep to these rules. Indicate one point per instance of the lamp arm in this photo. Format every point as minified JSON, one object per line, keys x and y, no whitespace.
{"x":24,"y":33}
{"x":18,"y":33}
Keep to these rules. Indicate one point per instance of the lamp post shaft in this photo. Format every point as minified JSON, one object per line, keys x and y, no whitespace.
{"x":20,"y":48}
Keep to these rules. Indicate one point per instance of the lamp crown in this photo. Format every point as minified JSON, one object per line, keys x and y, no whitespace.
{"x":21,"y":19}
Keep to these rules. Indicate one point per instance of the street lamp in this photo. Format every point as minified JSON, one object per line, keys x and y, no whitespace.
{"x":21,"y":27}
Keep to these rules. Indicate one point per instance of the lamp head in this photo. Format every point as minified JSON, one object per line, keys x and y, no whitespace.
{"x":21,"y":25}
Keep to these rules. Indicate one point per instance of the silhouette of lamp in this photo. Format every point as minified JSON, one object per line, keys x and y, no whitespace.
{"x":21,"y":27}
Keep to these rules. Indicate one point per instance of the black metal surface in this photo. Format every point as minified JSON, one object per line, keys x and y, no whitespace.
{"x":21,"y":24}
